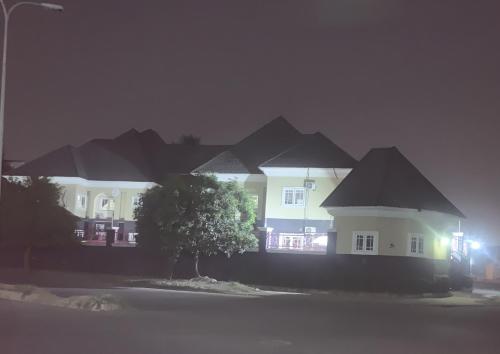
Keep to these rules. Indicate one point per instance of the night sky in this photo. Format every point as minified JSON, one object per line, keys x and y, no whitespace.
{"x":421,"y":75}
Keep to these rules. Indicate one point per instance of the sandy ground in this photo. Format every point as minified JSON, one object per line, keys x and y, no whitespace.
{"x":33,"y":294}
{"x":204,"y":284}
{"x":180,"y":321}
{"x":55,"y":279}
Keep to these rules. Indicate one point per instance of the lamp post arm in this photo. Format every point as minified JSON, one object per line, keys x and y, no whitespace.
{"x":7,"y":11}
{"x":4,"y":8}
{"x":16,"y":5}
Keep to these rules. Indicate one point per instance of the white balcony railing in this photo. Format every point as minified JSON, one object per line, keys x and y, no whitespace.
{"x":104,"y":214}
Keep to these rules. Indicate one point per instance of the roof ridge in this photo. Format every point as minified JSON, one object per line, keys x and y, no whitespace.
{"x":312,"y":150}
{"x":77,"y":160}
{"x":284,"y":151}
{"x":383,"y":184}
{"x":262,"y":128}
{"x":228,"y":151}
{"x":421,"y":175}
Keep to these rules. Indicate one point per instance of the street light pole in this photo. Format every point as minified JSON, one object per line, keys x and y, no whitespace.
{"x":7,"y":11}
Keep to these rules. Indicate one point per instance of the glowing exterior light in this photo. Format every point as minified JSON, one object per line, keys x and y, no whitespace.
{"x":475,"y":245}
{"x":458,"y":234}
{"x":445,"y":241}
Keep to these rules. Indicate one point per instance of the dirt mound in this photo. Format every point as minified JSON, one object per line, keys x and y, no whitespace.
{"x":33,"y":294}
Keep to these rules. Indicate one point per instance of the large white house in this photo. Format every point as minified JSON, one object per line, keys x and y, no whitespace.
{"x":305,"y":202}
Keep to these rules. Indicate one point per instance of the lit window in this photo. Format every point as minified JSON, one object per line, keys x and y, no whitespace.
{"x":293,"y":196}
{"x":365,"y":242}
{"x":359,"y":242}
{"x":132,"y":237}
{"x":81,"y":201}
{"x":106,"y":203}
{"x":369,"y":242}
{"x":299,"y":196}
{"x":416,"y":245}
{"x":413,"y":245}
{"x":421,"y":245}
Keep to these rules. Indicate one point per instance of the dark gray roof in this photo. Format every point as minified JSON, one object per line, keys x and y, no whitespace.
{"x":225,"y":162}
{"x":64,"y":162}
{"x":314,"y":150}
{"x":180,"y":158}
{"x":132,"y":156}
{"x":263,"y":144}
{"x":102,"y":161}
{"x":384,"y":177}
{"x":144,"y":156}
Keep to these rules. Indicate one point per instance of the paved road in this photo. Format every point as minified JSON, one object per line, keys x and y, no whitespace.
{"x":161,"y":321}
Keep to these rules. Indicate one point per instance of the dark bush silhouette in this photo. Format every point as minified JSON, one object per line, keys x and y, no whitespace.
{"x":30,"y":216}
{"x":190,"y":140}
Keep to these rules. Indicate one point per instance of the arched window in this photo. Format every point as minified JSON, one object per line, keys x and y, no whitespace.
{"x":104,"y":206}
{"x":104,"y":202}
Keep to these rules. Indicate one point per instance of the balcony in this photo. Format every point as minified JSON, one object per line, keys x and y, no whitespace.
{"x":312,"y":243}
{"x":104,"y":214}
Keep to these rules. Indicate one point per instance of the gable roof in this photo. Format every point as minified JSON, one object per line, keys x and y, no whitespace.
{"x":384,"y":177}
{"x":225,"y":162}
{"x":250,"y":153}
{"x":265,"y":143}
{"x":314,"y":150}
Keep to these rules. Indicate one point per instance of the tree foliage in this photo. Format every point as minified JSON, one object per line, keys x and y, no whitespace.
{"x":30,"y":215}
{"x":190,"y":139}
{"x":197,"y":214}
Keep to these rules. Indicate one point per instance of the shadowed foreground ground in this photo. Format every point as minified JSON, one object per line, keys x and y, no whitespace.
{"x":163,"y":321}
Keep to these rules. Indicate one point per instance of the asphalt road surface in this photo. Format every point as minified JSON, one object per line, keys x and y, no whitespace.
{"x":162,"y":321}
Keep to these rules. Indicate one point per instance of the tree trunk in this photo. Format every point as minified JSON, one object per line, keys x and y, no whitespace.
{"x":172,"y":260}
{"x":196,"y":259}
{"x":27,"y":259}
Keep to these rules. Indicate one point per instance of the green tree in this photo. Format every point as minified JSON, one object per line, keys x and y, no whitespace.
{"x":30,"y":216}
{"x":195,"y":214}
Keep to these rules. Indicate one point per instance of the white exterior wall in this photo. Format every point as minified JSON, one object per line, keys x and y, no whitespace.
{"x":121,"y":192}
{"x":313,"y":198}
{"x":394,"y":229}
{"x":278,"y":178}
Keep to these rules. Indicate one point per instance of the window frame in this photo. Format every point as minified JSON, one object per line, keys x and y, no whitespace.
{"x":79,"y":204}
{"x":360,"y":238}
{"x":294,"y":191}
{"x":255,"y":200}
{"x":419,"y":245}
{"x":101,"y":199}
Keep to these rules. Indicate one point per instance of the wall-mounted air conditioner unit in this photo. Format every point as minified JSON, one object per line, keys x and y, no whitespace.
{"x":309,"y":184}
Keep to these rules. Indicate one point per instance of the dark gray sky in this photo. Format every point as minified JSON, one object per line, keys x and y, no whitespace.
{"x":421,"y":75}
